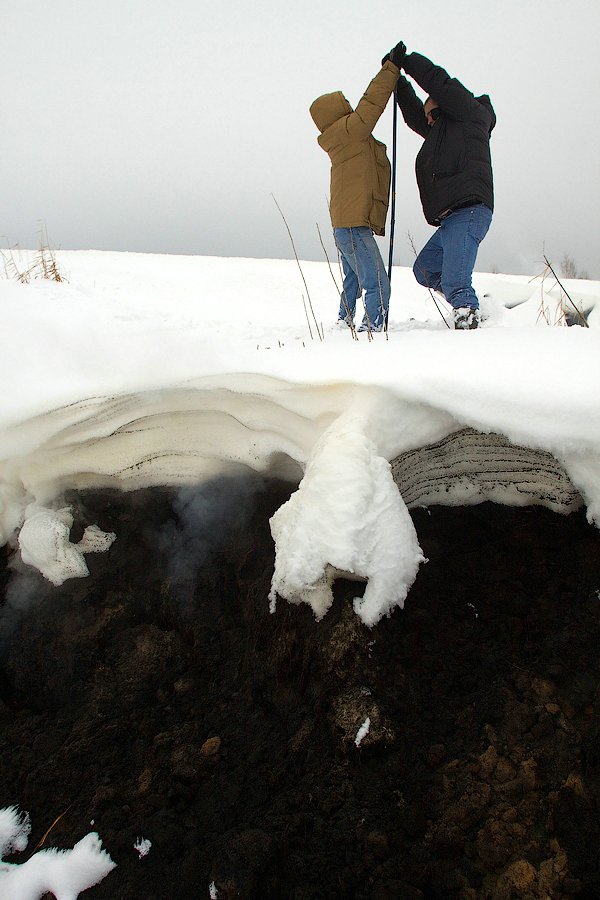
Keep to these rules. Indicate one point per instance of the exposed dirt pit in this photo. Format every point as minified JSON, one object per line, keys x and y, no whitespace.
{"x":158,"y":698}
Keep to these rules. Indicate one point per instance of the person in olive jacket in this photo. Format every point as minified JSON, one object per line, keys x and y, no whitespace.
{"x":454,"y":175}
{"x":359,"y":193}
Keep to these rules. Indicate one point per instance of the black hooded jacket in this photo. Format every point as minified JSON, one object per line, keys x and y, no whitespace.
{"x":454,"y":165}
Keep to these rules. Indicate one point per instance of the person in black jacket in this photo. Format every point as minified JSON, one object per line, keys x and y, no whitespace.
{"x":454,"y":175}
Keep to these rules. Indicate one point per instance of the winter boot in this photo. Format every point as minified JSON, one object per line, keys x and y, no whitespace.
{"x":466,"y":318}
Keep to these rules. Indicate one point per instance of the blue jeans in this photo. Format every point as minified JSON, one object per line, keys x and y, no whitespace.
{"x":446,"y":261}
{"x":363,"y":271}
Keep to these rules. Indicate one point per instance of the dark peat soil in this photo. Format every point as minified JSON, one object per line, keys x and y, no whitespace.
{"x":159,"y":698}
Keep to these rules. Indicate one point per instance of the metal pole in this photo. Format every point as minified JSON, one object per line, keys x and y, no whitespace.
{"x":393,"y":205}
{"x":393,"y":209}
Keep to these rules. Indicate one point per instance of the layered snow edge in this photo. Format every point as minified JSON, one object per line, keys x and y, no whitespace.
{"x":350,"y":513}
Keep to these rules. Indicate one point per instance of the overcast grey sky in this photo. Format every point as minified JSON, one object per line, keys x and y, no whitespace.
{"x":166,"y":125}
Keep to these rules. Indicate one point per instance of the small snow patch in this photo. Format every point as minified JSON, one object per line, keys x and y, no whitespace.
{"x":142,"y":847}
{"x":14,"y":831}
{"x":362,"y":732}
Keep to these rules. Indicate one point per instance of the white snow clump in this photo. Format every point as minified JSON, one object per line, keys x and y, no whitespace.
{"x":142,"y":847}
{"x":347,"y":517}
{"x":63,"y":873}
{"x":45,"y":545}
{"x":362,"y":732}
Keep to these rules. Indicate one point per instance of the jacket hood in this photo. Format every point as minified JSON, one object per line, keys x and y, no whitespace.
{"x":328,"y":109}
{"x":485,"y":101}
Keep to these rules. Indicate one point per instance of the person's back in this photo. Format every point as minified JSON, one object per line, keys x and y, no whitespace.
{"x":360,"y":169}
{"x":359,"y":193}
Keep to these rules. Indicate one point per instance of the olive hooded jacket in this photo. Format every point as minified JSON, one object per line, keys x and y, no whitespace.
{"x":360,"y":169}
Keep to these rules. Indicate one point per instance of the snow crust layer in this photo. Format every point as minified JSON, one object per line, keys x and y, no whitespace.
{"x":469,"y":467}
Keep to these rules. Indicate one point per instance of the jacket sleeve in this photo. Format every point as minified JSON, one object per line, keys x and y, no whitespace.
{"x":411,"y":107}
{"x":452,"y":96}
{"x":362,"y":121}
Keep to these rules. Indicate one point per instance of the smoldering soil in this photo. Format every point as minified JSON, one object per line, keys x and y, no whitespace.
{"x":159,"y":698}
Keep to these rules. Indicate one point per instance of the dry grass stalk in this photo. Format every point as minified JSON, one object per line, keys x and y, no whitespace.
{"x":578,"y":312}
{"x":320,"y":334}
{"x":13,"y":270}
{"x":307,"y":319}
{"x":44,"y":265}
{"x":544,"y":312}
{"x":342,"y":293}
{"x":414,"y":249}
{"x":42,"y":840}
{"x":383,"y":315}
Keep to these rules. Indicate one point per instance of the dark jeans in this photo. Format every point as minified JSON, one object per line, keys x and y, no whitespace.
{"x":447,"y":260}
{"x":364,"y":270}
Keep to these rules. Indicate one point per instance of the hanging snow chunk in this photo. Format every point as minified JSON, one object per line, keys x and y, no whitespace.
{"x":348,"y":519}
{"x":44,"y":543}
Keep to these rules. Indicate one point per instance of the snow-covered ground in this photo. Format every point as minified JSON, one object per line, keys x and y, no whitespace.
{"x":140,"y":370}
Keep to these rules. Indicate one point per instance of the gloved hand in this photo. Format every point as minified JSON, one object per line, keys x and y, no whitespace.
{"x":396,"y":55}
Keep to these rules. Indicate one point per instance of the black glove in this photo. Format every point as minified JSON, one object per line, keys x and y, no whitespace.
{"x":396,"y":55}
